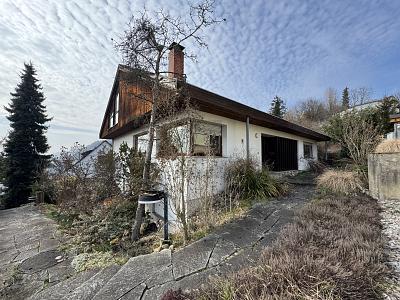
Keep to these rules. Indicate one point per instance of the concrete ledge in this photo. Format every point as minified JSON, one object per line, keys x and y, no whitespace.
{"x":384,"y":175}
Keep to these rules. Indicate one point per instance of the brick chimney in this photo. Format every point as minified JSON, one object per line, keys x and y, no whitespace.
{"x":175,"y":61}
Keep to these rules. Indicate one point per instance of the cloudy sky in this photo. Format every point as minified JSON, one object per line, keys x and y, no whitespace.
{"x":292,"y":48}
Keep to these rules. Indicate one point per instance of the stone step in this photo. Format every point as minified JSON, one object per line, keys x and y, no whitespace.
{"x":65,"y":287}
{"x":137,"y":275}
{"x":91,"y":286}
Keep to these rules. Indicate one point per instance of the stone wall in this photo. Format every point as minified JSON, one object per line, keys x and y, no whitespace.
{"x":384,"y":175}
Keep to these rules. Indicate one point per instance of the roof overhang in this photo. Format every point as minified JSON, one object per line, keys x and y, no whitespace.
{"x":215,"y":104}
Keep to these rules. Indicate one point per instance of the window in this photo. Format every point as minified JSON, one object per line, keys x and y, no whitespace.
{"x":140,"y":142}
{"x":308,"y":153}
{"x":116,"y":109}
{"x":174,"y":140}
{"x":207,"y":139}
{"x":114,"y":113}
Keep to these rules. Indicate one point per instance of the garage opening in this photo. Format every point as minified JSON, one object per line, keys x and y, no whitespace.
{"x":279,"y":154}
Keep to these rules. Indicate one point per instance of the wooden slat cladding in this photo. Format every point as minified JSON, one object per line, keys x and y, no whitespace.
{"x":135,"y":96}
{"x":135,"y":100}
{"x":135,"y":103}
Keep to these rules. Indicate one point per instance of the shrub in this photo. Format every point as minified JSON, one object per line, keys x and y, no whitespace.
{"x":246,"y":182}
{"x":333,"y":250}
{"x":388,"y":146}
{"x":358,"y":132}
{"x":174,"y":295}
{"x":339,"y":182}
{"x":105,"y":228}
{"x":316,"y":166}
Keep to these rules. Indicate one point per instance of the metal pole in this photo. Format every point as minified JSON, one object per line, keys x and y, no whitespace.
{"x":326,"y":151}
{"x":166,"y":238}
{"x":247,"y":138}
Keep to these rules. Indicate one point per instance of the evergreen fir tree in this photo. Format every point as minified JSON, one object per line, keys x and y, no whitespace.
{"x":387,"y":107}
{"x":345,"y":98}
{"x":26,"y":144}
{"x":278,"y":107}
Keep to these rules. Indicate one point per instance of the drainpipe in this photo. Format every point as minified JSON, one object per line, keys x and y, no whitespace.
{"x":247,"y":139}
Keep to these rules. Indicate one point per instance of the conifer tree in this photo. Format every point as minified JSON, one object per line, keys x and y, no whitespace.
{"x":278,"y":107}
{"x":345,"y":98}
{"x":387,"y":107}
{"x":26,"y":144}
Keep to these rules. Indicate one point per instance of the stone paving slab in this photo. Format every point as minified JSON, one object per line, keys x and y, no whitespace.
{"x":136,"y":293}
{"x":194,"y":257}
{"x":187,"y":283}
{"x":234,"y":246}
{"x":222,"y":251}
{"x":137,"y":271}
{"x":64,"y":288}
{"x":24,"y":234}
{"x":90,"y":287}
{"x":39,"y":262}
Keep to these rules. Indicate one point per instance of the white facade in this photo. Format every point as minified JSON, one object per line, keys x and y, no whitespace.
{"x":233,"y":146}
{"x":234,"y":139}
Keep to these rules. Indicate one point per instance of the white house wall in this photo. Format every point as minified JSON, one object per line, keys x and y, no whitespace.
{"x":233,"y":146}
{"x":236,"y":139}
{"x":128,"y":138}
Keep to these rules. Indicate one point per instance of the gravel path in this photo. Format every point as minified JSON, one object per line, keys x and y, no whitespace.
{"x":391,"y":228}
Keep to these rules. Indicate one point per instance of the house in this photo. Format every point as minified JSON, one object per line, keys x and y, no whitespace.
{"x":90,"y":153}
{"x":395,"y":119}
{"x":232,"y":129}
{"x":85,"y":157}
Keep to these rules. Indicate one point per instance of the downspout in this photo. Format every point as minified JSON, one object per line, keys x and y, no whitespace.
{"x":247,"y":139}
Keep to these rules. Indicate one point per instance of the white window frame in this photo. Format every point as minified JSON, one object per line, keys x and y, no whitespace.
{"x":193,"y":133}
{"x":311,"y":156}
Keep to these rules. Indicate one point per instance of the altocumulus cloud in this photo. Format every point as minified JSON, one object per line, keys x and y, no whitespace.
{"x":291,"y":48}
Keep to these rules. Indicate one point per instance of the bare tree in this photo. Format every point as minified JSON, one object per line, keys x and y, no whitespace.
{"x":360,"y":96}
{"x":144,"y":47}
{"x":332,"y":102}
{"x":312,"y":109}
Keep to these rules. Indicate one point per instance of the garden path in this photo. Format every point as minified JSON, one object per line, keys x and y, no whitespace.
{"x":229,"y":248}
{"x":28,"y":252}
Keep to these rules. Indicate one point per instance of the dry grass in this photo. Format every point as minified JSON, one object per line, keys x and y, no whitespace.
{"x":339,"y":182}
{"x":333,"y":250}
{"x":388,"y":146}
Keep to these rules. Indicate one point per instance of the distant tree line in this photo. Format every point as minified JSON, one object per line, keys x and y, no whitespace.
{"x":313,"y":112}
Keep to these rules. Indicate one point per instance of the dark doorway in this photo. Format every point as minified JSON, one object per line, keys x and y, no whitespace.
{"x":279,"y":154}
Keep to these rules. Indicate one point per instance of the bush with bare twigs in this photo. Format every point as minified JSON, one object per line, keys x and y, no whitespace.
{"x":339,"y":182}
{"x":316,"y":166}
{"x":357,"y":132}
{"x":388,"y":146}
{"x":333,"y":250}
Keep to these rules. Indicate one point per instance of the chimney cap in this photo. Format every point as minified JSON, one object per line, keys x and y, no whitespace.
{"x":176,"y":46}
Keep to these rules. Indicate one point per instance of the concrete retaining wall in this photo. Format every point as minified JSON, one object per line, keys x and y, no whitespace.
{"x":384,"y":175}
